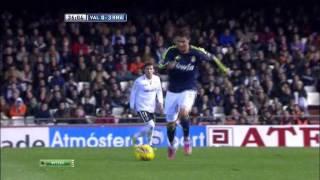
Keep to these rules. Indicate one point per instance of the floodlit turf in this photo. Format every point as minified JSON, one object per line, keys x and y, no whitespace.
{"x":204,"y":164}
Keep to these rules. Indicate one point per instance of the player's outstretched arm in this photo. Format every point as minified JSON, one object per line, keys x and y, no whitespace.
{"x":210,"y":57}
{"x":133,"y":96}
{"x":221,"y":66}
{"x":168,"y":60}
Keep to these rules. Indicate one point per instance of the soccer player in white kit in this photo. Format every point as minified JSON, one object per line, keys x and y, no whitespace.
{"x":182,"y":62}
{"x":146,"y":96}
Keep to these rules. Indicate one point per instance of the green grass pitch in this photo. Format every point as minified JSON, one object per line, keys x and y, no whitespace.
{"x":204,"y":164}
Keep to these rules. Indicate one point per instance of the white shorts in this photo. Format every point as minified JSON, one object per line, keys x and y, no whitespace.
{"x":175,"y":101}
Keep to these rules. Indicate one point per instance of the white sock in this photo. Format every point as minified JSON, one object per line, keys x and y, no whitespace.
{"x":146,"y":131}
{"x":150,"y":128}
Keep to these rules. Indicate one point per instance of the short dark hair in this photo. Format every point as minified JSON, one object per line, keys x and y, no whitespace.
{"x":148,"y":63}
{"x":183,"y":32}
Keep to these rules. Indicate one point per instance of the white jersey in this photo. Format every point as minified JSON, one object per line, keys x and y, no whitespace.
{"x":146,"y":93}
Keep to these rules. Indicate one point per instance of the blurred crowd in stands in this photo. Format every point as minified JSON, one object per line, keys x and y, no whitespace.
{"x":56,"y":71}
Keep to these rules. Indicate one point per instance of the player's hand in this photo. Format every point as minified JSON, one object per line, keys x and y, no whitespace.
{"x":229,"y":72}
{"x":171,"y":64}
{"x":159,"y":108}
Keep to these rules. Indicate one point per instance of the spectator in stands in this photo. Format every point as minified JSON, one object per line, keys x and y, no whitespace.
{"x":301,"y":96}
{"x":40,"y":44}
{"x":118,"y":38}
{"x":33,"y":107}
{"x":71,"y":82}
{"x":269,"y":88}
{"x":260,"y":99}
{"x":226,"y":38}
{"x":217,"y":97}
{"x":109,"y":64}
{"x":147,"y":54}
{"x":43,"y":116}
{"x":234,"y":117}
{"x":4,"y":109}
{"x":106,"y":48}
{"x":73,"y":96}
{"x":88,"y":97}
{"x":26,"y":75}
{"x":104,"y":118}
{"x":56,"y":99}
{"x":62,"y":115}
{"x":244,"y":118}
{"x":286,"y":118}
{"x":57,"y":79}
{"x":134,"y":51}
{"x":159,"y":49}
{"x":136,"y":66}
{"x":204,"y":103}
{"x":41,"y":72}
{"x":251,"y":112}
{"x":78,"y":115}
{"x":80,"y":47}
{"x":307,"y":77}
{"x":43,"y":93}
{"x":88,"y":107}
{"x":83,"y":73}
{"x":236,"y":77}
{"x":18,"y":108}
{"x":12,"y":74}
{"x":286,"y":95}
{"x":230,"y":104}
{"x":207,"y":118}
{"x":299,"y":116}
{"x":65,"y":56}
{"x":266,"y":117}
{"x":124,"y":74}
{"x":118,"y":100}
{"x":99,"y":73}
{"x":194,"y":114}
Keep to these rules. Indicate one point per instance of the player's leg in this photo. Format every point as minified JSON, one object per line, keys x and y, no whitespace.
{"x":171,"y":112}
{"x":150,"y":125}
{"x":185,"y":103}
{"x":147,"y":130}
{"x":171,"y":131}
{"x":185,"y":123}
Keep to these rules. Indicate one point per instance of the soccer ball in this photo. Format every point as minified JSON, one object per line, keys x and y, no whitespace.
{"x":144,"y":153}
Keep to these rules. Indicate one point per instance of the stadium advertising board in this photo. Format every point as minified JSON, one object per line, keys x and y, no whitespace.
{"x":24,"y":137}
{"x":263,"y":136}
{"x":115,"y":136}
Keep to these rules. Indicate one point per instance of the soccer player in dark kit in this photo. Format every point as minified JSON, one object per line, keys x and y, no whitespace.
{"x":182,"y":62}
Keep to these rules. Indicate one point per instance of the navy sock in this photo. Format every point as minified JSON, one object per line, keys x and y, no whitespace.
{"x":185,"y":127}
{"x":171,"y":131}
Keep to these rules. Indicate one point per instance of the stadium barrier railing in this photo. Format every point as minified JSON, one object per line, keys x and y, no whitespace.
{"x":199,"y":120}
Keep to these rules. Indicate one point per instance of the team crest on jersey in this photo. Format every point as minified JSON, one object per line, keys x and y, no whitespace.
{"x":193,"y":59}
{"x":177,"y":58}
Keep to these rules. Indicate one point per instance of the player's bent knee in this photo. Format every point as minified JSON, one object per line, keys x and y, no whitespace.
{"x":183,"y":113}
{"x":171,"y":125}
{"x":171,"y":117}
{"x":151,"y":124}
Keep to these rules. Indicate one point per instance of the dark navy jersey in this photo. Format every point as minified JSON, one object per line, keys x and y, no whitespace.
{"x":185,"y":74}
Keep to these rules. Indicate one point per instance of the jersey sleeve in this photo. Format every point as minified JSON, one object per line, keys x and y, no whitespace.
{"x":133,"y":93}
{"x":159,"y":93}
{"x":167,"y":57}
{"x":203,"y":54}
{"x":220,"y":65}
